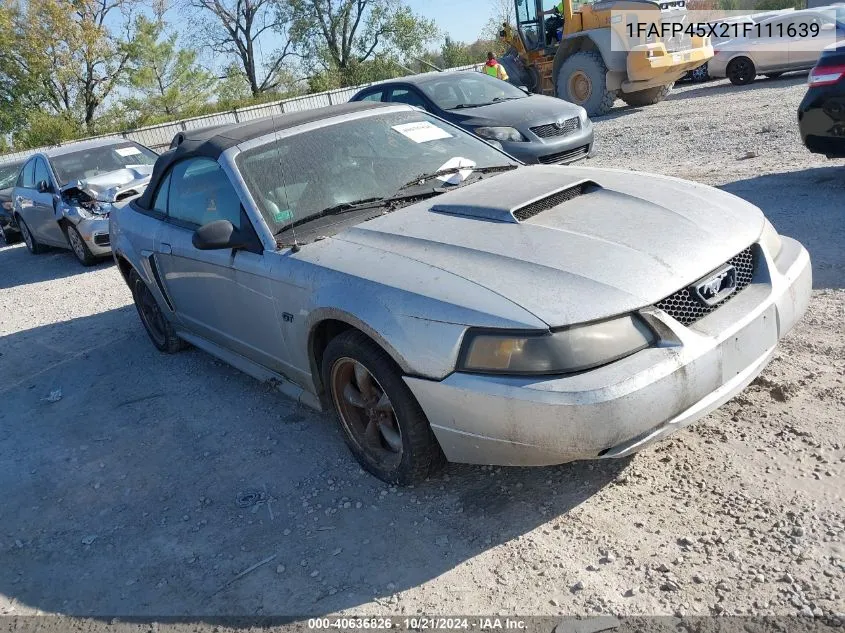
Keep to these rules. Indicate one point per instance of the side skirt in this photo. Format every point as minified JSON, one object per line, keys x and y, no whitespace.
{"x":259,"y":372}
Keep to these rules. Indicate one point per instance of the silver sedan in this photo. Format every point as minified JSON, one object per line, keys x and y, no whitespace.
{"x":446,"y":302}
{"x":63,"y":196}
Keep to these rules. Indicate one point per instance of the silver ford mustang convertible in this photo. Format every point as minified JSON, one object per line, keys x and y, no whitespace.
{"x":448,"y":303}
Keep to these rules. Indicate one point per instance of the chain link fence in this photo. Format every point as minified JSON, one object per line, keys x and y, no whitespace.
{"x":158,"y":137}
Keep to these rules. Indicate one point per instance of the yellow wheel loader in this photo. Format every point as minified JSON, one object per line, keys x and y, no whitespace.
{"x":592,"y":54}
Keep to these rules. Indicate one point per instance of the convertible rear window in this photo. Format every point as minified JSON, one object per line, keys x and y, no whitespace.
{"x":295,"y":177}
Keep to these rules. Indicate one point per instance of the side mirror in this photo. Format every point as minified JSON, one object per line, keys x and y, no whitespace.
{"x":44,"y":187}
{"x":218,"y":235}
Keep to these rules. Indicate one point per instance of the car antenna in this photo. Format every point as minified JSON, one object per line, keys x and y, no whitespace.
{"x":295,"y":247}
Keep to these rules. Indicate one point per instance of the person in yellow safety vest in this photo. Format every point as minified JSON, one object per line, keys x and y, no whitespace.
{"x":558,"y":8}
{"x":494,"y":68}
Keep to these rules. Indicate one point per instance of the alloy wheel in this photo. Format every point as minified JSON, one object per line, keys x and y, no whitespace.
{"x":366,"y":412}
{"x":76,"y":244}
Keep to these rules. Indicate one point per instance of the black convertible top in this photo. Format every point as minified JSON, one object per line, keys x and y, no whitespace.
{"x":211,"y":142}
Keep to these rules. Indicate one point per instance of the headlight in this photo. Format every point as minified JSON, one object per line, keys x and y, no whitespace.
{"x":582,"y":114}
{"x":501,"y":134}
{"x":565,"y":351}
{"x":771,"y":240}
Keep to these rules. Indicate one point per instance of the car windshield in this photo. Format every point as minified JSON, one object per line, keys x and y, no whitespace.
{"x":452,"y":91}
{"x":8,"y":174}
{"x":297,"y":177}
{"x":87,"y":163}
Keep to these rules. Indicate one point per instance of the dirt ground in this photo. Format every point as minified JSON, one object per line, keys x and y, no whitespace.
{"x":154,"y":481}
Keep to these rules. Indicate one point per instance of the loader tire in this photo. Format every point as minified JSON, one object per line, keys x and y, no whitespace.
{"x":646,"y":97}
{"x":582,"y":80}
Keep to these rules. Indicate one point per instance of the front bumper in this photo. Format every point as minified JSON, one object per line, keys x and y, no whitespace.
{"x":555,"y":150}
{"x":617,"y":409}
{"x":95,"y":232}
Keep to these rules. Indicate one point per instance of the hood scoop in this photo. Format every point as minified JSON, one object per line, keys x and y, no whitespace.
{"x":554,"y":199}
{"x":521,"y":212}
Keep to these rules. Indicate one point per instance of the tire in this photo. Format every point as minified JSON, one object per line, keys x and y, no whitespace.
{"x":33,"y":245}
{"x":741,"y":71}
{"x":582,"y":79}
{"x":10,"y":236}
{"x":158,"y":328}
{"x":391,"y":439}
{"x":773,"y":75}
{"x":646,"y":97}
{"x":78,"y":246}
{"x":700,"y":74}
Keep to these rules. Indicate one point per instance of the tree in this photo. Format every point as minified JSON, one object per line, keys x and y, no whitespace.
{"x":343,"y":36}
{"x":76,"y":57}
{"x":167,"y":77}
{"x":503,"y":13}
{"x":236,"y":27}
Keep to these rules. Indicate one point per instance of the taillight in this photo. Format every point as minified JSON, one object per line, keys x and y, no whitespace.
{"x":826,"y":75}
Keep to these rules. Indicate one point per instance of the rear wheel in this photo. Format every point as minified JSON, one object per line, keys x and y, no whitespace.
{"x":158,"y":328}
{"x":382,"y":422}
{"x":646,"y":97}
{"x":79,"y":247}
{"x":700,"y":74}
{"x":29,"y":239}
{"x":741,"y":71}
{"x":582,"y":80}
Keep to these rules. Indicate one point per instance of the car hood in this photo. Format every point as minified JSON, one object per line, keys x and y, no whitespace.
{"x":600,"y":242}
{"x":115,"y":185}
{"x":519,"y":113}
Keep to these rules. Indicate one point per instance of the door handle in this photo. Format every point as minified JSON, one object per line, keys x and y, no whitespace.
{"x":166,"y":249}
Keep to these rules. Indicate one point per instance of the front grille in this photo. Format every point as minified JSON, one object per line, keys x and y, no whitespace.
{"x":550,"y":202}
{"x":557,"y":129}
{"x":102,"y":239}
{"x":562,"y":157}
{"x":685,"y":307}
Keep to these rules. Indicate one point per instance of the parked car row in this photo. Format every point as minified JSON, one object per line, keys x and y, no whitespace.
{"x":444,"y":300}
{"x":777,"y":43}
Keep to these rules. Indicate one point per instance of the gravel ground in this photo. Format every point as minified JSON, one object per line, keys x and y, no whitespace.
{"x":122,"y":497}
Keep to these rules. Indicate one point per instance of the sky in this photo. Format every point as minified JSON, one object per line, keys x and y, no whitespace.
{"x":461,"y":19}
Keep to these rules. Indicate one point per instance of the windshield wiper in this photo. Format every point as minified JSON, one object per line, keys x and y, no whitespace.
{"x":357,"y":205}
{"x":461,"y":106}
{"x":422,"y":178}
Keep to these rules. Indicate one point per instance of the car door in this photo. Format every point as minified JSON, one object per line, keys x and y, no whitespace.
{"x":43,"y":212}
{"x":224,"y":295}
{"x":25,"y":198}
{"x":769,"y":49}
{"x":805,"y":51}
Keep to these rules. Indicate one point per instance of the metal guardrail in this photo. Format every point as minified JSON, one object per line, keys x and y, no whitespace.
{"x":158,"y":137}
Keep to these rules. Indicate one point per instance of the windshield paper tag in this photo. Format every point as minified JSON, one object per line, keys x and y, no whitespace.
{"x":422,"y":131}
{"x":127,"y":151}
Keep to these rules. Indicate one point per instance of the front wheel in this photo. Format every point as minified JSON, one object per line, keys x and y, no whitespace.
{"x":582,"y":80}
{"x":381,"y":420}
{"x":79,"y":247}
{"x":741,"y":71}
{"x":647,"y":97}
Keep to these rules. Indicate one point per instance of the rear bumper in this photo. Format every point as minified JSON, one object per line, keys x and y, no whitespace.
{"x":617,"y":409}
{"x":822,"y":122}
